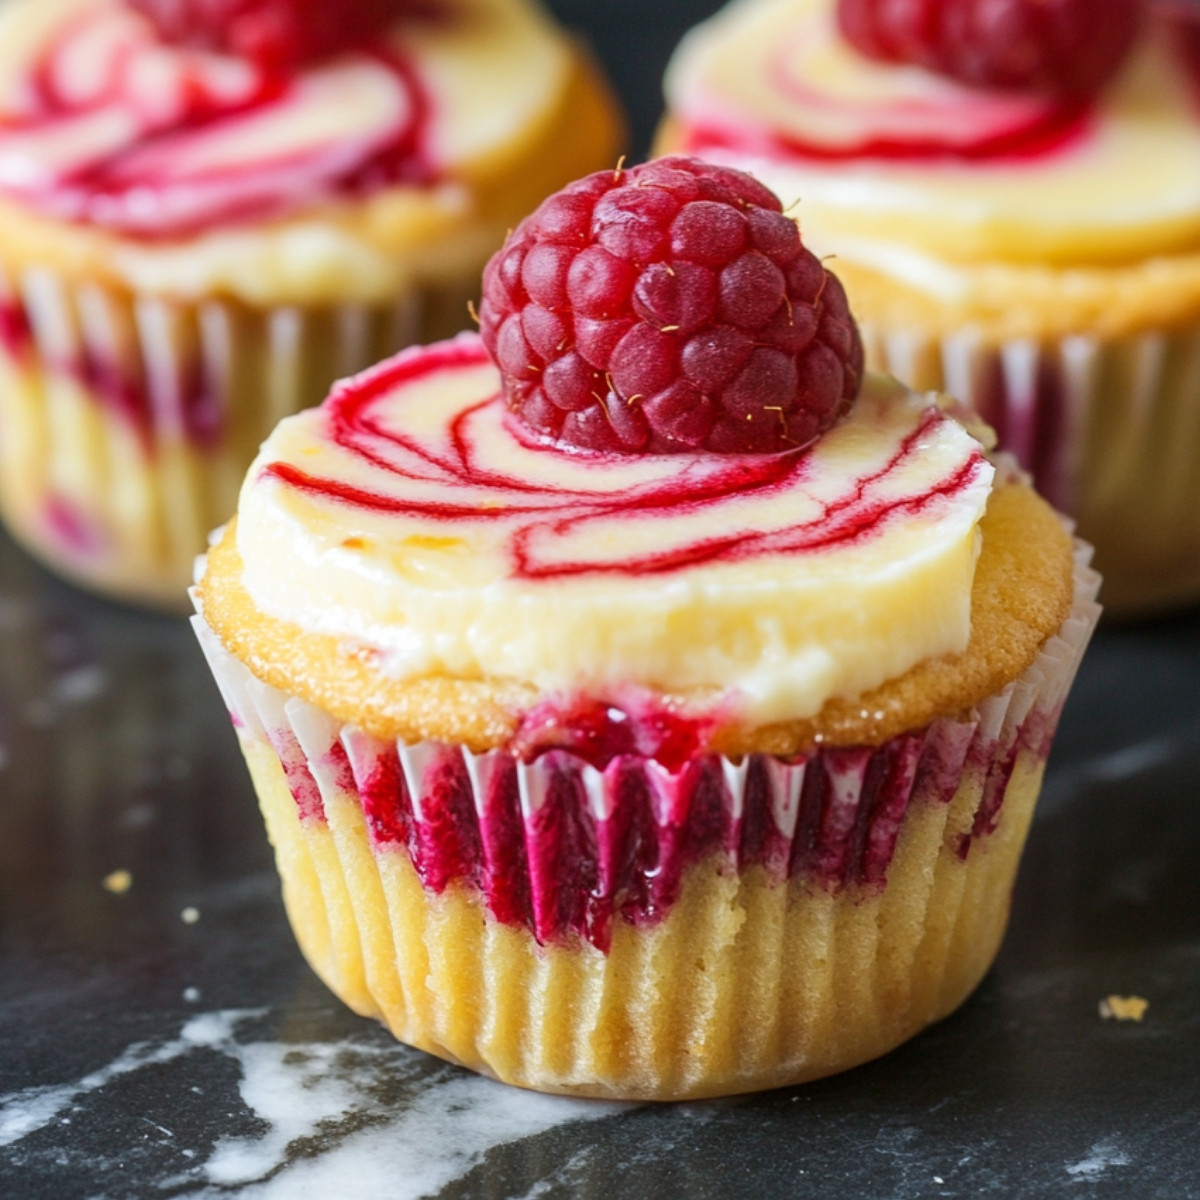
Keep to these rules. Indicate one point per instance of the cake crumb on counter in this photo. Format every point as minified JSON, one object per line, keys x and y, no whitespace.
{"x":119,"y":882}
{"x":1123,"y":1008}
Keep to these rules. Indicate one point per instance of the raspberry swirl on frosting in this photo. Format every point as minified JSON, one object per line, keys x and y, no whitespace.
{"x":412,"y":515}
{"x":102,"y":120}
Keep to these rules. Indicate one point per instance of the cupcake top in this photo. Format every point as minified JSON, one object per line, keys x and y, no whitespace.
{"x":192,"y":165}
{"x":451,"y":545}
{"x":929,"y":179}
{"x":413,"y":563}
{"x":425,"y":556}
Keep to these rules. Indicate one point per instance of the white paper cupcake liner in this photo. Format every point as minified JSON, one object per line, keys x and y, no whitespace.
{"x":1109,"y":429}
{"x":565,"y":850}
{"x":127,"y":421}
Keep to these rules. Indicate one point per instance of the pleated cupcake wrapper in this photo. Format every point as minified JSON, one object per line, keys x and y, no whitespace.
{"x":129,"y":420}
{"x":1109,"y":428}
{"x":564,"y":849}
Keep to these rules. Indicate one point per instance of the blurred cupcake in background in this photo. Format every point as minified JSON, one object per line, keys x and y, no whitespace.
{"x":1013,"y":195}
{"x":211,"y":209}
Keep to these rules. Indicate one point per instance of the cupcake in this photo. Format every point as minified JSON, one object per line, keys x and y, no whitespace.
{"x":1015,"y":212}
{"x":641,"y":702}
{"x":212,"y":209}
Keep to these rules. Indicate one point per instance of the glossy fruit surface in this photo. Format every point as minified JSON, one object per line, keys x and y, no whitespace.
{"x":1064,"y":47}
{"x":669,"y":307}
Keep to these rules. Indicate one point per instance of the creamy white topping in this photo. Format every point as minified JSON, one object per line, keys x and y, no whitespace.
{"x":407,"y":516}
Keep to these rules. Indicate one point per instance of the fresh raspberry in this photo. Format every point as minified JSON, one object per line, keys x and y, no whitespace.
{"x":669,"y":307}
{"x":275,"y":33}
{"x":1068,"y":48}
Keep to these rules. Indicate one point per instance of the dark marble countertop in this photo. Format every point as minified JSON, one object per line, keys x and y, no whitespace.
{"x":166,"y":1039}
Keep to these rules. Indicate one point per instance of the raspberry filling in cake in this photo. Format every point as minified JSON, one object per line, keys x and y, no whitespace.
{"x":565,"y":849}
{"x":109,"y":122}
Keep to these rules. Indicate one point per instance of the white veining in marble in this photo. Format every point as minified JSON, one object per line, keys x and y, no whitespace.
{"x":377,"y":1122}
{"x":1100,"y":1157}
{"x":566,"y":1174}
{"x":443,"y":1131}
{"x":1117,"y":766}
{"x":26,"y":1111}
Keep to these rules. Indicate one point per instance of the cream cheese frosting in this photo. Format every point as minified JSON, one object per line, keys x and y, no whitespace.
{"x":769,"y":86}
{"x":411,"y":517}
{"x":203,"y":174}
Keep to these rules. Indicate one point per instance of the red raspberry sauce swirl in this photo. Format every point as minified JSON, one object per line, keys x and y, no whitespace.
{"x":948,"y":121}
{"x":110,"y":126}
{"x":556,"y":531}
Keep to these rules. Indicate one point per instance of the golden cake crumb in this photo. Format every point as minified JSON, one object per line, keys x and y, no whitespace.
{"x":119,"y":882}
{"x":1123,"y":1008}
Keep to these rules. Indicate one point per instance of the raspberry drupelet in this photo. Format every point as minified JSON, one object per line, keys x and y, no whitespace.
{"x":669,"y":307}
{"x":1066,"y":47}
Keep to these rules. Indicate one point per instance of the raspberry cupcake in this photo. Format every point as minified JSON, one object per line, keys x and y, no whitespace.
{"x":211,"y":209}
{"x":1015,"y":210}
{"x":641,"y":702}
